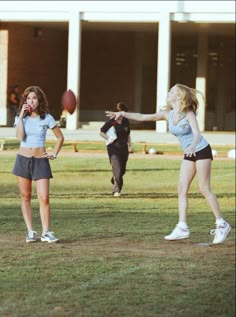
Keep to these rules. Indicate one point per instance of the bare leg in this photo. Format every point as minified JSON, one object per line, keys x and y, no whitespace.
{"x":42,"y":187}
{"x":25,"y":188}
{"x":186,"y":175}
{"x":204,"y":175}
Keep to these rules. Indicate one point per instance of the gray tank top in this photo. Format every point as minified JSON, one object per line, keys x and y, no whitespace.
{"x":182,"y":130}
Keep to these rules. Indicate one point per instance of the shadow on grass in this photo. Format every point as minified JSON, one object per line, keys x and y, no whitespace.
{"x":138,"y":195}
{"x":142,"y":170}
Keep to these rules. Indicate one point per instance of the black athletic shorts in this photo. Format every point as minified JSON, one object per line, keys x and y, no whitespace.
{"x":32,"y":168}
{"x":203,"y":154}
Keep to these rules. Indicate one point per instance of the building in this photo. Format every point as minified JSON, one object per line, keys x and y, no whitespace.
{"x":108,"y":51}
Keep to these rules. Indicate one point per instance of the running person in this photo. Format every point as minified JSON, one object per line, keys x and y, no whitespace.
{"x":118,"y":149}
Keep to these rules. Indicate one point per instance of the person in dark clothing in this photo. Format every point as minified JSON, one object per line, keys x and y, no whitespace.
{"x":117,"y":147}
{"x":13,"y":101}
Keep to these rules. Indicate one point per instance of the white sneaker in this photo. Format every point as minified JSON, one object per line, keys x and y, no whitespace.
{"x":178,"y":234}
{"x":116,"y":194}
{"x":49,"y":237}
{"x":220,"y":233}
{"x":31,"y":237}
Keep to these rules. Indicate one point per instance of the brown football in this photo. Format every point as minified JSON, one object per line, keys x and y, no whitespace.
{"x":69,"y":101}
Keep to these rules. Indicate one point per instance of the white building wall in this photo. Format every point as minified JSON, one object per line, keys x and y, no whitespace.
{"x":118,"y":11}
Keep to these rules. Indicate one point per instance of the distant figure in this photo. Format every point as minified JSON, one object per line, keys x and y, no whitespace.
{"x":117,"y":147}
{"x":13,"y":100}
{"x":62,"y":122}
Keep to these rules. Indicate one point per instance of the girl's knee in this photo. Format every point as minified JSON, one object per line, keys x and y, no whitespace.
{"x":25,"y":196}
{"x":43,"y":200}
{"x":205,"y":191}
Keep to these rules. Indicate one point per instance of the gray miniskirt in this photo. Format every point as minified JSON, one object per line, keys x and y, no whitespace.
{"x":32,"y":168}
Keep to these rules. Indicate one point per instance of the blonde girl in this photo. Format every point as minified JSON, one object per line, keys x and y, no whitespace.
{"x":180,"y":113}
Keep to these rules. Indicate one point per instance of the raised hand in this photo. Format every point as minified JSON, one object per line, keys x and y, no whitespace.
{"x":115,"y":115}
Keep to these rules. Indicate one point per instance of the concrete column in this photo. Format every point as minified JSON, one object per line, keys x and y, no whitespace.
{"x":201,"y":77}
{"x":3,"y":72}
{"x":73,"y":64}
{"x":163,"y":66}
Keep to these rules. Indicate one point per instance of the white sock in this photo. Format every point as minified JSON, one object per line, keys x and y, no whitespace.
{"x":220,"y":221}
{"x":182,"y":225}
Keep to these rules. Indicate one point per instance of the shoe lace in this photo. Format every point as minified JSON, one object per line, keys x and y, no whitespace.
{"x":49,"y":233}
{"x":217,"y":230}
{"x":177,"y":229}
{"x":31,"y":234}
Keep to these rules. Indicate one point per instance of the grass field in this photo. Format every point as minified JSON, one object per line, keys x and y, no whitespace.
{"x":112,"y":260}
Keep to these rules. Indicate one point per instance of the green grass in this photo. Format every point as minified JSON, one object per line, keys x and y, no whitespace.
{"x":112,"y":260}
{"x":13,"y":144}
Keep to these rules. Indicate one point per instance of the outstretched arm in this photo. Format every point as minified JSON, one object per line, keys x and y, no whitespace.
{"x":161,"y":115}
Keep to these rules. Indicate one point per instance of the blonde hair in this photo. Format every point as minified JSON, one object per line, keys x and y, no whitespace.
{"x":189,"y":100}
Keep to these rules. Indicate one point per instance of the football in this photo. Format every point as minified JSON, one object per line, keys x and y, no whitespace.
{"x":69,"y":101}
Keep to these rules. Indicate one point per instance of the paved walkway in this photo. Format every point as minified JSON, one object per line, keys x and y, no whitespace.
{"x":146,"y":136}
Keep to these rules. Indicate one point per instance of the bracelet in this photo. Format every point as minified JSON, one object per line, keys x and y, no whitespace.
{"x":54,"y":156}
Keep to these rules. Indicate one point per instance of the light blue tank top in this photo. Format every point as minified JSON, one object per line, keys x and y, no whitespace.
{"x":36,"y":130}
{"x":182,"y":130}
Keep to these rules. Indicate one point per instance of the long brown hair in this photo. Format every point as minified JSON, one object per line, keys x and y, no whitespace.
{"x":189,"y":100}
{"x":43,"y":103}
